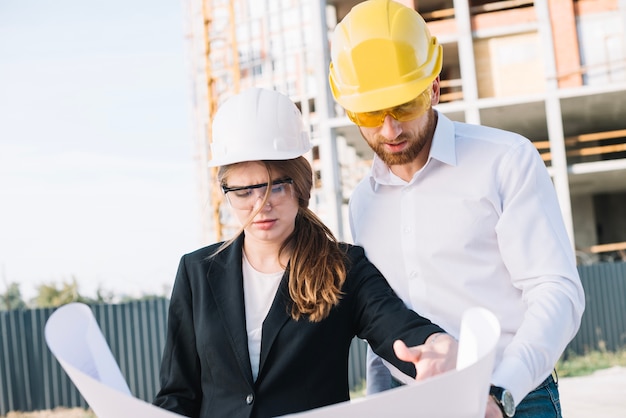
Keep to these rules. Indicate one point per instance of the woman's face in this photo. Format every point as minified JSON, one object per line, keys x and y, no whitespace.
{"x":276,"y":219}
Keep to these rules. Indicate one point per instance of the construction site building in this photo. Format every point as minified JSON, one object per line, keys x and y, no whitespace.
{"x":551,"y":70}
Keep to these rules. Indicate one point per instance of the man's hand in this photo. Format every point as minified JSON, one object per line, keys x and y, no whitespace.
{"x":493,"y":410}
{"x":435,"y":356}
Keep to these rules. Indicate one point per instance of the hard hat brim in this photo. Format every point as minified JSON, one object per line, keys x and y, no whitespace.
{"x":245,"y":157}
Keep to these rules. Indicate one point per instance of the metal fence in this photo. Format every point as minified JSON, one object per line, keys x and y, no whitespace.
{"x":603,"y":325}
{"x":31,"y":379}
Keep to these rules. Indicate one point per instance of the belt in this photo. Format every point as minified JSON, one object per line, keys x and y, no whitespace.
{"x":555,"y":376}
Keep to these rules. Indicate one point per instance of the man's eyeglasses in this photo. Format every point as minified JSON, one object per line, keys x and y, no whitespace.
{"x":402,"y":113}
{"x":245,"y":197}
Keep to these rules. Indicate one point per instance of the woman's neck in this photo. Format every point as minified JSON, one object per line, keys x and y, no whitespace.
{"x":264,"y":258}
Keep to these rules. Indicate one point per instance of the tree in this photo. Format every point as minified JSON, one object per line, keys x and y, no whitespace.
{"x":12,"y":298}
{"x":49,"y":296}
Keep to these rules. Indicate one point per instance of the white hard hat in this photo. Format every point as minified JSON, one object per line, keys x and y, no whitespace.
{"x":257,"y":124}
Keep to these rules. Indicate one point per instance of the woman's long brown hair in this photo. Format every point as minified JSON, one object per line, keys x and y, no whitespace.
{"x":317,"y":266}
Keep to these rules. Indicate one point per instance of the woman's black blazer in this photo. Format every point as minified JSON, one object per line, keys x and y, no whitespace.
{"x":206,"y":372}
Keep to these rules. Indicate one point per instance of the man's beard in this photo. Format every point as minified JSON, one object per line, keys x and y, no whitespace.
{"x":416,"y":142}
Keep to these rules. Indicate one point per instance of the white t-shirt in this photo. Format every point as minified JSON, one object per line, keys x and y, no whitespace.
{"x":259,"y":290}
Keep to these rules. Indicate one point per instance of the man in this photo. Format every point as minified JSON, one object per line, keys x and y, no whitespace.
{"x":455,"y":215}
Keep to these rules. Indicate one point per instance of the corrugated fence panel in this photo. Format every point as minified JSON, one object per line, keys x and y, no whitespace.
{"x":50,"y":385}
{"x":603,"y":325}
{"x":32,"y":379}
{"x":8,"y":384}
{"x":136,"y":334}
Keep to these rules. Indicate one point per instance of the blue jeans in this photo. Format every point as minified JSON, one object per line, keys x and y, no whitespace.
{"x":542,"y":402}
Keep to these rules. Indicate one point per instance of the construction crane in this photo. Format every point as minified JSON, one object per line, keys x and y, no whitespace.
{"x":221,"y":60}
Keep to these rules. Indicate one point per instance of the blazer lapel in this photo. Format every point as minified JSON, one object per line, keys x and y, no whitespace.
{"x":276,"y":318}
{"x":226,"y":282}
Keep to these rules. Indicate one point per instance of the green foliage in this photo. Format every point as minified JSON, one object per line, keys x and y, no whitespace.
{"x":581,"y":365}
{"x":359,"y":390}
{"x":12,"y":298}
{"x":53,"y":295}
{"x":50,"y":296}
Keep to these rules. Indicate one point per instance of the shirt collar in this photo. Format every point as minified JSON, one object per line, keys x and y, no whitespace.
{"x":442,"y":149}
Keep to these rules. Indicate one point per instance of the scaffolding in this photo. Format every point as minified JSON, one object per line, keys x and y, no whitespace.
{"x":221,"y":63}
{"x":215,"y":74}
{"x":237,"y":44}
{"x":506,"y":64}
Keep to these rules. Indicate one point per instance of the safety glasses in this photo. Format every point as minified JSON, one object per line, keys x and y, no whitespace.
{"x":402,"y":113}
{"x":246,"y":197}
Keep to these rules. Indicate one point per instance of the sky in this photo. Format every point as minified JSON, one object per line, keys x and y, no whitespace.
{"x":97,"y":171}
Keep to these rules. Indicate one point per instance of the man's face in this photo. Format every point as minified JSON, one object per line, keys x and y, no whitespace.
{"x":398,"y":143}
{"x":401,"y":142}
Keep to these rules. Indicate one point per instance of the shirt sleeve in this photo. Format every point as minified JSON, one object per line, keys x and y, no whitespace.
{"x":537,"y":252}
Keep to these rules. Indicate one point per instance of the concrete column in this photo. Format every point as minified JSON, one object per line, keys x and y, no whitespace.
{"x":554,"y":119}
{"x":331,"y":174}
{"x":467,"y":63}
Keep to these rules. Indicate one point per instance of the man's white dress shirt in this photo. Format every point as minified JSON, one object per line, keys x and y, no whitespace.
{"x":478,"y":225}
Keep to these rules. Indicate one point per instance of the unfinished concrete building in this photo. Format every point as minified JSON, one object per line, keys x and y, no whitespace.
{"x":551,"y":70}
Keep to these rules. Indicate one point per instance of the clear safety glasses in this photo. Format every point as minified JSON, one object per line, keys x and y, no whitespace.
{"x":402,"y":113}
{"x":246,"y":197}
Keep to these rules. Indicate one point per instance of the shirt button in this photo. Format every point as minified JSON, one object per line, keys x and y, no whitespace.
{"x":407,"y":229}
{"x":250,"y":399}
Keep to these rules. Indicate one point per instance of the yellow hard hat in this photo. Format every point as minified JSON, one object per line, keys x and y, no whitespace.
{"x":382,"y":55}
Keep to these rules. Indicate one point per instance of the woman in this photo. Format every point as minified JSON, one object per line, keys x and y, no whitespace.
{"x":261,"y":325}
